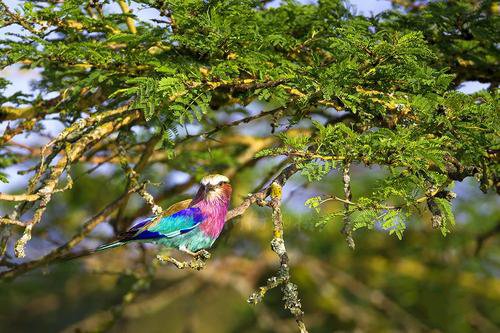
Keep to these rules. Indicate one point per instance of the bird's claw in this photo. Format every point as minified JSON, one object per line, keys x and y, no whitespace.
{"x":198,"y":263}
{"x":164,"y":258}
{"x":202,"y":254}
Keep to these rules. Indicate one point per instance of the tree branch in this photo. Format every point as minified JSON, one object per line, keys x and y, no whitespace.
{"x":139,"y":167}
{"x":71,"y":153}
{"x":129,"y":20}
{"x":17,"y":19}
{"x":347,"y":228}
{"x":61,"y":251}
{"x":262,"y":194}
{"x":231,"y":124}
{"x":18,"y":197}
{"x":289,"y":289}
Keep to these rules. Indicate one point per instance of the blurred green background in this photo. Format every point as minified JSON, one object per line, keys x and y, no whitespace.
{"x":424,"y":282}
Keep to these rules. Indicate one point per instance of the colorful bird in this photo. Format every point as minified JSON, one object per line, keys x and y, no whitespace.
{"x":191,"y":225}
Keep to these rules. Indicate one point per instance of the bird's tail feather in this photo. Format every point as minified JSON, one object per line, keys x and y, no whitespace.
{"x":109,"y":246}
{"x":72,"y":256}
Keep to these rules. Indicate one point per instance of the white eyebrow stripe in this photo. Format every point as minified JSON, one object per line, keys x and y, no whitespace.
{"x":214,"y":180}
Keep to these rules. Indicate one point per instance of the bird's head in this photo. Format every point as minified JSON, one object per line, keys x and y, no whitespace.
{"x":215,"y":188}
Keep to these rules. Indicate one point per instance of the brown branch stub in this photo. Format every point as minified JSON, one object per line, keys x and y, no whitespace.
{"x":282,"y":277}
{"x":437,"y":214}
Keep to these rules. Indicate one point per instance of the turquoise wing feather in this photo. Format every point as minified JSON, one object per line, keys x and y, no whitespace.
{"x":171,"y":226}
{"x":170,"y":230}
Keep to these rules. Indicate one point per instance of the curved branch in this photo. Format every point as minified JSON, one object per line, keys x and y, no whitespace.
{"x":258,"y":197}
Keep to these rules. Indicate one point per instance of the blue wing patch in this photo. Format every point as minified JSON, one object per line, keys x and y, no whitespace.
{"x":147,"y":235}
{"x":141,"y":224}
{"x":171,"y":226}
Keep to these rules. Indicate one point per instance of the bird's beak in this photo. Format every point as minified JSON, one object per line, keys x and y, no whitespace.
{"x":209,"y":188}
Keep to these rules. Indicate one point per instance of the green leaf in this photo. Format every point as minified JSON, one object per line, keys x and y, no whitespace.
{"x":3,"y":178}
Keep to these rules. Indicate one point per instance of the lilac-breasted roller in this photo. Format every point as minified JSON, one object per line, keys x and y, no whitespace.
{"x":189,"y":229}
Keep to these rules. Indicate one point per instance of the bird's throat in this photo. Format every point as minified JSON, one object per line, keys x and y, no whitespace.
{"x":215,"y":211}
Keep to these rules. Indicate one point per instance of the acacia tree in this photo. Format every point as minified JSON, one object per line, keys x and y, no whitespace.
{"x":337,"y":91}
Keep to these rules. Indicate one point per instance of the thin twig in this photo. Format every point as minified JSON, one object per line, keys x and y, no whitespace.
{"x":220,"y":127}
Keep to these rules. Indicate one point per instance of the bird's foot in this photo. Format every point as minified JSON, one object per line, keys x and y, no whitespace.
{"x":202,"y":254}
{"x":198,"y":263}
{"x":179,"y":264}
